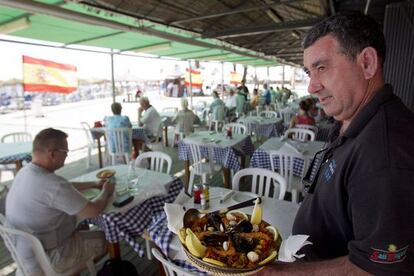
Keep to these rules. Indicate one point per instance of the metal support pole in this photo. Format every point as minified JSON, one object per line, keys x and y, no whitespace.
{"x":191,"y":85}
{"x":222,"y":79}
{"x":113,"y":76}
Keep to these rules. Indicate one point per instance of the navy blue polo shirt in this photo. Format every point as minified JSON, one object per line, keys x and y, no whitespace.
{"x":362,"y":202}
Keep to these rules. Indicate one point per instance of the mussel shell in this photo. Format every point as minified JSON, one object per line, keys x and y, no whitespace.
{"x":243,"y":226}
{"x":214,"y":220}
{"x":215,"y":238}
{"x":241,"y":244}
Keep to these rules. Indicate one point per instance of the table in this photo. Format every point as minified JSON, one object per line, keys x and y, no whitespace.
{"x":267,"y":127}
{"x":261,"y":159}
{"x":138,"y":133}
{"x":15,"y":153}
{"x":130,"y":221}
{"x":278,"y":213}
{"x":226,"y":151}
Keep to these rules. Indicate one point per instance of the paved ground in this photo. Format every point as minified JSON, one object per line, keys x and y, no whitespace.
{"x":67,"y":117}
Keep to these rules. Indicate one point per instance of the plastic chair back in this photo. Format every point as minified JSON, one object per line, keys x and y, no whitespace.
{"x":16,"y":137}
{"x":268,"y":114}
{"x":301,"y":134}
{"x":155,"y":160}
{"x":9,"y":236}
{"x":262,"y":182}
{"x":312,"y":128}
{"x":119,"y":143}
{"x":236,"y":128}
{"x":170,"y":268}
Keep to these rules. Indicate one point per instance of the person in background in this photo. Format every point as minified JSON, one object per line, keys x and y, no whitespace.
{"x":255,"y":99}
{"x":216,"y":102}
{"x":243,"y":90}
{"x":303,"y":118}
{"x":266,"y":94}
{"x":240,"y":103}
{"x":149,"y":118}
{"x":184,"y":119}
{"x":48,"y":206}
{"x":231,"y":102}
{"x":273,"y":95}
{"x":358,"y":211}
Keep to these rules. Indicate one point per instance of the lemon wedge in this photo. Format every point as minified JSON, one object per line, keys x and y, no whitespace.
{"x":212,"y":261}
{"x":194,"y":245}
{"x":182,"y":234}
{"x":238,"y":213}
{"x":257,"y":213}
{"x":274,"y":231}
{"x":269,"y":258}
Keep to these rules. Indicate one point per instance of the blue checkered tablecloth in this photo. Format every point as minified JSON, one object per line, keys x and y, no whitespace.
{"x":162,"y":237}
{"x":128,"y":225}
{"x":267,"y":129}
{"x":261,"y":159}
{"x":12,"y":152}
{"x":226,"y":156}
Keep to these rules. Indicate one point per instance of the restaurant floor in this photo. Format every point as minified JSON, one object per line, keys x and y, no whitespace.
{"x":71,"y":170}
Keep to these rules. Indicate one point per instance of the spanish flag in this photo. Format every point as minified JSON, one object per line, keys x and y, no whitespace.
{"x":235,"y":78}
{"x":41,"y":75}
{"x":196,"y":78}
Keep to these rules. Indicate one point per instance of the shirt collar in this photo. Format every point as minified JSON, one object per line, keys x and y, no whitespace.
{"x":362,"y":118}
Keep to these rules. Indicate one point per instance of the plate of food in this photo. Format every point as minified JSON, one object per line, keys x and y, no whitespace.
{"x":231,"y":243}
{"x":104,"y":174}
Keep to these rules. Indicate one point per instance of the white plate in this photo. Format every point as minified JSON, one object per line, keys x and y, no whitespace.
{"x":243,"y":196}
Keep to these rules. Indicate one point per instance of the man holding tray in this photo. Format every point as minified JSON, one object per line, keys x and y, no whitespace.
{"x":48,"y":206}
{"x":359,"y":207}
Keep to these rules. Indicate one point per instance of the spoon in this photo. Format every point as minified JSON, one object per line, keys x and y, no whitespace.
{"x":191,"y":215}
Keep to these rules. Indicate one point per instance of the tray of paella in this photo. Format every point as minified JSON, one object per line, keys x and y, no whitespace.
{"x":231,"y":243}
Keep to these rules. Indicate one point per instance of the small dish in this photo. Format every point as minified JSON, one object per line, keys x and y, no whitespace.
{"x":91,"y":193}
{"x":105,"y":174}
{"x":243,"y":196}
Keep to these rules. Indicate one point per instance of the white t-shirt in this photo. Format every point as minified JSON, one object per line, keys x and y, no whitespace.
{"x":45,"y":205}
{"x":151,"y":120}
{"x":231,"y":101}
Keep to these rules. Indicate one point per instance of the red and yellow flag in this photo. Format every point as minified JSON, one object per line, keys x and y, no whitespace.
{"x":235,"y":78}
{"x":196,"y":78}
{"x":41,"y":75}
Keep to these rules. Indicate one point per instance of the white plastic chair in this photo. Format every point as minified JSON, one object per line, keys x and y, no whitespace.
{"x":286,"y":162}
{"x":119,"y":143}
{"x":262,"y":182}
{"x":249,"y":124}
{"x":300,"y":134}
{"x":9,"y":234}
{"x":268,"y":114}
{"x":92,"y":144}
{"x":236,"y":128}
{"x":312,"y":128}
{"x":202,"y":165}
{"x":16,"y":137}
{"x":155,"y":160}
{"x":170,"y":268}
{"x":287,"y":115}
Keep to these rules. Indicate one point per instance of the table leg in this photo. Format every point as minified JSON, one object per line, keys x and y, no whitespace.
{"x":99,"y":152}
{"x":226,"y":174}
{"x":114,"y":250}
{"x":19,"y":165}
{"x":243,"y":161}
{"x":165,"y":128}
{"x":186,"y":174}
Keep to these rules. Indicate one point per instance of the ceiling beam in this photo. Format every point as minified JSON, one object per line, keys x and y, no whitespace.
{"x":55,"y":11}
{"x":255,"y":30}
{"x":93,"y":38}
{"x":233,"y":11}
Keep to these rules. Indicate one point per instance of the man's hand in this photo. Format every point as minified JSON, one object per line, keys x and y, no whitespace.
{"x":108,"y":187}
{"x":140,"y":109}
{"x":99,"y":185}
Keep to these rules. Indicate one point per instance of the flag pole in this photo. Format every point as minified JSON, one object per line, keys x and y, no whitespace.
{"x":191,"y":84}
{"x":112,"y":76}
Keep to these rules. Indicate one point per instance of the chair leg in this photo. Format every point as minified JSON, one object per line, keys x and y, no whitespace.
{"x":148,"y":247}
{"x":294,"y":195}
{"x":191,"y":181}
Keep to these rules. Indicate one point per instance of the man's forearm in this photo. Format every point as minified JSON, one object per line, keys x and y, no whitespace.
{"x":338,"y":266}
{"x":84,"y":185}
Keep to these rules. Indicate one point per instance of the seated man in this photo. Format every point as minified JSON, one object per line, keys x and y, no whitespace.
{"x":231,"y":102}
{"x":150,"y":120}
{"x":184,"y":119}
{"x":48,"y":206}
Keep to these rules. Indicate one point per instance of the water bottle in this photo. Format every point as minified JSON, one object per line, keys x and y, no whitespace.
{"x":131,"y":178}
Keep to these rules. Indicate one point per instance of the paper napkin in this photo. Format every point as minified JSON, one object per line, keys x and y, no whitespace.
{"x":175,"y":214}
{"x":290,"y":246}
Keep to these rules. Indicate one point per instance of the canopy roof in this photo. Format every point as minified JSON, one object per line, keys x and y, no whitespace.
{"x":250,"y":32}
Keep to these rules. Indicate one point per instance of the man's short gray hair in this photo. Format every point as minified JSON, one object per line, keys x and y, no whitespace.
{"x":144,"y":99}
